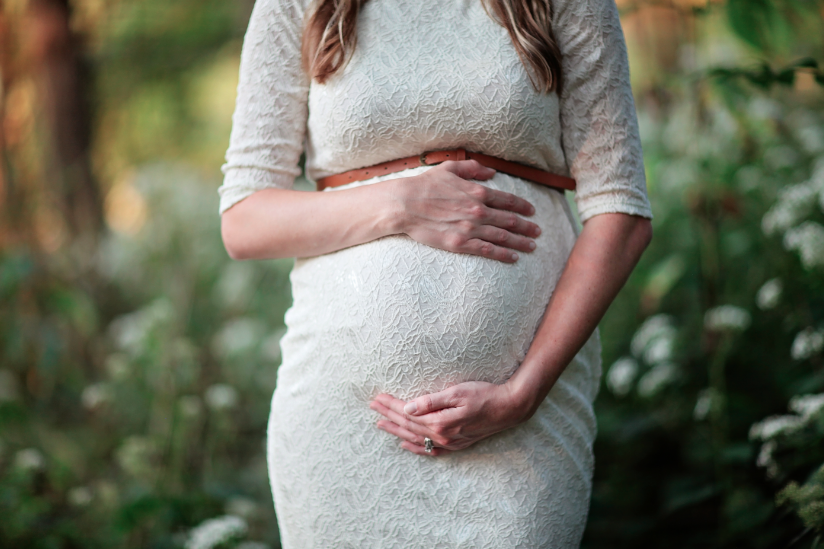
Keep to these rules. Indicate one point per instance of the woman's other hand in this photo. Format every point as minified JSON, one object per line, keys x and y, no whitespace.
{"x":454,"y":418}
{"x":444,"y":209}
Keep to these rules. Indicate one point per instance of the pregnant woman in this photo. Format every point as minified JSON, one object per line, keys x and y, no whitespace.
{"x":441,"y":356}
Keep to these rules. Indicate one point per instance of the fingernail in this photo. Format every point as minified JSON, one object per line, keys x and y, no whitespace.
{"x":514,"y":257}
{"x":410,"y":408}
{"x":537,"y":231}
{"x":531,"y":245}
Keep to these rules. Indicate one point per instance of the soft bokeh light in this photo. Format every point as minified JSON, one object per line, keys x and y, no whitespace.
{"x":126,"y":209}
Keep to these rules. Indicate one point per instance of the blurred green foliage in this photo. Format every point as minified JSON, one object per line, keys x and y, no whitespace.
{"x":136,"y":367}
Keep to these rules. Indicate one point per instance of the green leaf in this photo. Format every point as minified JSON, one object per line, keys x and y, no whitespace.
{"x":806,"y":62}
{"x":763,"y":77}
{"x":722,"y":73}
{"x":786,"y":77}
{"x":754,"y":21}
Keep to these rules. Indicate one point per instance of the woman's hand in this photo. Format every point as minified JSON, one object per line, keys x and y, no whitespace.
{"x":454,"y":418}
{"x":442,"y":208}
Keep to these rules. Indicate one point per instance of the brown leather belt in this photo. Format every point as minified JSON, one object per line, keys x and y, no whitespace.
{"x":431,"y":158}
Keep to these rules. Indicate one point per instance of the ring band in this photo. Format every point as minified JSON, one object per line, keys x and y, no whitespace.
{"x":427,"y":445}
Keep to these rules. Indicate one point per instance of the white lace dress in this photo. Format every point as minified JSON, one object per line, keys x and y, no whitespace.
{"x":397,"y":316}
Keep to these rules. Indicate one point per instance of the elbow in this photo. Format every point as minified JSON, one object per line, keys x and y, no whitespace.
{"x":645,"y":230}
{"x":642,"y":234}
{"x":233,"y":241}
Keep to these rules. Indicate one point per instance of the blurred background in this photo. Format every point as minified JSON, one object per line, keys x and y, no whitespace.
{"x":137,"y":360}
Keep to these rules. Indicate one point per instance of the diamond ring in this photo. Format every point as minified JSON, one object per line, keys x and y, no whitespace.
{"x":427,"y":445}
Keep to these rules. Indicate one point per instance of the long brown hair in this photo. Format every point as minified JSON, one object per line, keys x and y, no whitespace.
{"x":330,"y":37}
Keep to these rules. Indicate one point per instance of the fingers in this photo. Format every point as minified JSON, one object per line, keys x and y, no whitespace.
{"x":504,"y":239}
{"x":429,"y":403}
{"x":483,"y":248}
{"x":468,"y":169}
{"x":512,"y":223}
{"x":403,"y":421}
{"x":412,"y":442}
{"x":404,"y":434}
{"x":502,"y":200}
{"x":478,"y":220}
{"x":417,"y":449}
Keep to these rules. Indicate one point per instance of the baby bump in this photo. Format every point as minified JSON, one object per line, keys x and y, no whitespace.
{"x":397,"y":316}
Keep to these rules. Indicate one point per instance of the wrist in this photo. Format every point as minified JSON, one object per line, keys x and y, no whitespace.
{"x":393,"y":214}
{"x":525,"y":396}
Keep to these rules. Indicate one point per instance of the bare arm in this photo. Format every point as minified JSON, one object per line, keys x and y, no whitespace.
{"x":604,"y":255}
{"x":601,"y":261}
{"x":442,"y":208}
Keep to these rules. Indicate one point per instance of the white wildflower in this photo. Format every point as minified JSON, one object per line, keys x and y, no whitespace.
{"x":769,"y":294}
{"x":621,"y":375}
{"x":96,"y":395}
{"x":807,"y":343}
{"x":221,"y":397}
{"x":811,"y":138}
{"x":655,"y":327}
{"x":237,"y":336}
{"x":763,"y":107}
{"x":130,"y":331}
{"x":136,"y":455}
{"x":80,"y":496}
{"x":656,"y":379}
{"x":216,"y":531}
{"x":29,"y":459}
{"x":808,"y":240}
{"x":9,"y":387}
{"x":773,"y":426}
{"x":727,"y":317}
{"x":766,"y":460}
{"x":794,"y":203}
{"x":190,"y":406}
{"x":807,"y":405}
{"x":703,"y":404}
{"x":241,"y":507}
{"x":660,"y":349}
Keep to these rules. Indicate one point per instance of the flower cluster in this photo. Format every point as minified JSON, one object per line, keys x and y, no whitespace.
{"x":654,"y":345}
{"x":807,"y":343}
{"x":216,"y":531}
{"x":796,"y":203}
{"x":807,"y":409}
{"x":727,"y":318}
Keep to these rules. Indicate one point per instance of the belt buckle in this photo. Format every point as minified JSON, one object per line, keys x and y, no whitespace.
{"x":422,"y":158}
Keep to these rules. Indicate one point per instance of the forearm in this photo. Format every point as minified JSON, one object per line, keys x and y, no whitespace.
{"x":276,"y":223}
{"x":602,"y":259}
{"x":444,"y":207}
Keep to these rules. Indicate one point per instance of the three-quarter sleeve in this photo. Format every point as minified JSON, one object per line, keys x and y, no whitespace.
{"x":269,"y":122}
{"x":599,"y":125}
